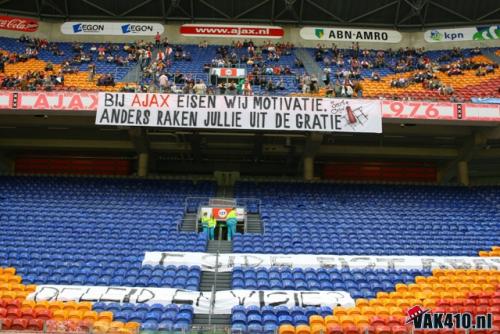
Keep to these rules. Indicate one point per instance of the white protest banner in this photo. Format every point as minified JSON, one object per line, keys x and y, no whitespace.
{"x":350,"y":34}
{"x":118,"y":294}
{"x":228,"y":261}
{"x":239,"y":112}
{"x":223,"y":300}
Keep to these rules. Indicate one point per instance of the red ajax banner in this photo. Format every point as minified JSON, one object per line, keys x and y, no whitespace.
{"x":231,"y":31}
{"x":18,"y":23}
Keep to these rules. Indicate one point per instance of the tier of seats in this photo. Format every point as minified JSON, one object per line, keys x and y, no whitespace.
{"x":465,"y":86}
{"x":267,"y":319}
{"x":152,"y":317}
{"x":359,"y":283}
{"x":370,"y":220}
{"x":447,"y":291}
{"x":95,"y":231}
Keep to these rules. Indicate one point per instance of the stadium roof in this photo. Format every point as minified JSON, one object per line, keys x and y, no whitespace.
{"x":399,"y":14}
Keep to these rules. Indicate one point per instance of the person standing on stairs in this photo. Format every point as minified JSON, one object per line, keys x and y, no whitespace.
{"x":231,"y":221}
{"x":205,"y":222}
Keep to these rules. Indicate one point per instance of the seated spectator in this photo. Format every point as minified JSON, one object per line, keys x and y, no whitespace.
{"x":106,"y":80}
{"x":270,"y":85}
{"x":298,"y":63}
{"x":281,"y":85}
{"x":186,"y":55}
{"x":247,"y":88}
{"x":200,"y":88}
{"x":490,"y":69}
{"x":476,"y":51}
{"x":127,"y":88}
{"x":375,"y":76}
{"x":49,"y":66}
{"x":481,"y":71}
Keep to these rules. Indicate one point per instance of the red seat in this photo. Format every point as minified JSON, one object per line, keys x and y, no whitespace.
{"x":43,"y":314}
{"x":5,"y":323}
{"x":398,"y":329}
{"x":35,"y":324}
{"x":377,"y":321}
{"x":383,"y":329}
{"x":27,"y":313}
{"x":351,"y":329}
{"x":19,"y":324}
{"x":334,"y":329}
{"x":13,"y":312}
{"x":3,"y":312}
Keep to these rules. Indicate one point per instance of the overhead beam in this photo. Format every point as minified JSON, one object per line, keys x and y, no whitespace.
{"x":451,"y":11}
{"x":97,"y":145}
{"x":215,"y":9}
{"x":488,"y":14}
{"x":373,"y":11}
{"x":251,"y":9}
{"x":102,"y":9}
{"x":326,"y":11}
{"x":130,"y":10}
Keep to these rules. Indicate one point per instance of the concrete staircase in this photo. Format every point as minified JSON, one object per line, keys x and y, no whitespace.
{"x":254,"y":223}
{"x":491,"y":55}
{"x":225,"y":246}
{"x":310,"y":65}
{"x":220,"y":281}
{"x":189,"y":223}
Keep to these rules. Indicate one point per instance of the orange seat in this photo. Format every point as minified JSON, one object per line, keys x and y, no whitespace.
{"x":317,"y":319}
{"x":106,"y":315}
{"x":90,"y":315}
{"x":286,"y":329}
{"x":302,"y":329}
{"x":318,"y":329}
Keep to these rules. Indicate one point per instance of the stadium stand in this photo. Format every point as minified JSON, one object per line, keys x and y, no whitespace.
{"x":81,"y":231}
{"x":370,"y":220}
{"x":271,"y":68}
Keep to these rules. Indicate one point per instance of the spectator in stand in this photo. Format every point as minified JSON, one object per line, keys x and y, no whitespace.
{"x":157,"y":40}
{"x":200,"y":88}
{"x":163,"y":82}
{"x":375,"y":76}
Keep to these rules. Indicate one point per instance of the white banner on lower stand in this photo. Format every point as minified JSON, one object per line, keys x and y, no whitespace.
{"x":200,"y":300}
{"x":227,"y":262}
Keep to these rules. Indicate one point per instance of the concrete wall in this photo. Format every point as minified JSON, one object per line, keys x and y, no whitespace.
{"x":51,"y":31}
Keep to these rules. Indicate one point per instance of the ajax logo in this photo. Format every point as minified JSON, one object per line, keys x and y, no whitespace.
{"x":222,"y":213}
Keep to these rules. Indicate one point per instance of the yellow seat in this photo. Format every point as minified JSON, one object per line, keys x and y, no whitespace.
{"x":286,"y":329}
{"x":340,"y":310}
{"x":75,"y":315}
{"x":134,"y":326}
{"x":317,"y":319}
{"x":42,"y":305}
{"x":106,"y":315}
{"x":330,"y":319}
{"x":57,"y":305}
{"x":303,"y":329}
{"x":90,"y":316}
{"x":60,"y":315}
{"x":318,"y":329}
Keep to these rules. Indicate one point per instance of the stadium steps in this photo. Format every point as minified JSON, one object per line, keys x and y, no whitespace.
{"x":225,"y":192}
{"x":217,"y":319}
{"x":254,"y":224}
{"x":491,"y":54}
{"x":310,"y":65}
{"x":189,"y":222}
{"x":224,"y":247}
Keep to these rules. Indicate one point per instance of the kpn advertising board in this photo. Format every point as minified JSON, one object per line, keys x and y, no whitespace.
{"x":479,"y":33}
{"x":111,"y":28}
